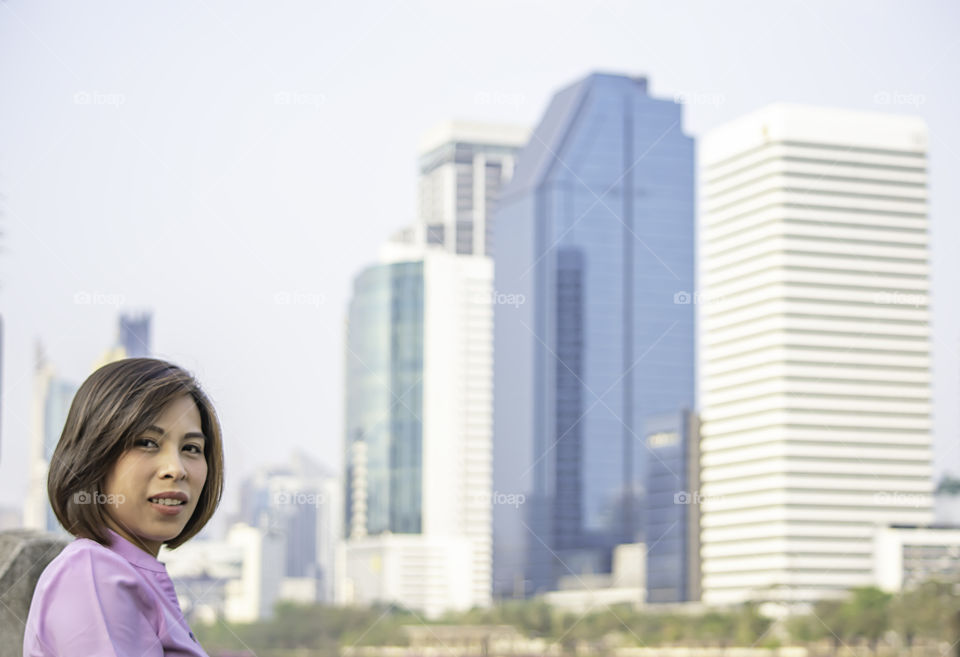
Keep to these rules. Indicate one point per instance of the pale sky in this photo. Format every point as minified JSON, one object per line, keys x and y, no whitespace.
{"x":202,"y":159}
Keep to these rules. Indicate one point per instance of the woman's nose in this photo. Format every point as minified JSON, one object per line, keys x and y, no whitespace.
{"x":173,"y":466}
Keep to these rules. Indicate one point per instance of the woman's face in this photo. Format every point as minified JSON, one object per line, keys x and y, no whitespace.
{"x":166,"y":458}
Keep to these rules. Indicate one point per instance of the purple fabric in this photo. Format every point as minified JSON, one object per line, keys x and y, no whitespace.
{"x":95,"y":601}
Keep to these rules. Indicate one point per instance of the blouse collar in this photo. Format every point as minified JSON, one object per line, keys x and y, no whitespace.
{"x":135,"y":555}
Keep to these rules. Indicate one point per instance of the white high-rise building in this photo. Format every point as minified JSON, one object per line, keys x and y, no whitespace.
{"x":419,"y":411}
{"x":462,"y":167}
{"x":816,"y":401}
{"x":419,"y":432}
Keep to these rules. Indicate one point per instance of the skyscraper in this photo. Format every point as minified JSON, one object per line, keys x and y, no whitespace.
{"x":595,"y":234}
{"x":816,"y":349}
{"x":52,"y":396}
{"x":462,"y":168}
{"x":418,"y":431}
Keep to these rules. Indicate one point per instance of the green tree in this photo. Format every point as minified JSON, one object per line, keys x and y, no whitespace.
{"x":750,"y":624}
{"x":949,"y":486}
{"x":832,"y":616}
{"x":924,"y":612}
{"x":868,"y":611}
{"x":806,"y":629}
{"x":715,"y":627}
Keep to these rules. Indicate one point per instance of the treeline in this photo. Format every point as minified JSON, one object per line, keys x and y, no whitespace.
{"x":928,"y":614}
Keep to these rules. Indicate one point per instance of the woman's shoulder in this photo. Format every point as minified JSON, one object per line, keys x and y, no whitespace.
{"x":85,"y":559}
{"x":87,"y":550}
{"x":89,"y":595}
{"x":94,"y":576}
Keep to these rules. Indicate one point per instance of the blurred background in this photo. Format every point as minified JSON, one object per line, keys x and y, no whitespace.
{"x":540,"y":310}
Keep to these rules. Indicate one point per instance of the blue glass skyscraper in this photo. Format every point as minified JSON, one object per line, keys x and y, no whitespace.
{"x":385,"y":400}
{"x":595,"y":233}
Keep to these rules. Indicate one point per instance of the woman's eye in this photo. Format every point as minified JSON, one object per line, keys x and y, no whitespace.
{"x":197,"y":449}
{"x":144,"y":441}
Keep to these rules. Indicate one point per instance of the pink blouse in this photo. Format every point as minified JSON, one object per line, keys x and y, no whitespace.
{"x":96,"y":601}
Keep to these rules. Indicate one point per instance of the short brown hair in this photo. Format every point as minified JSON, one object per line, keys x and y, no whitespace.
{"x":110,"y":410}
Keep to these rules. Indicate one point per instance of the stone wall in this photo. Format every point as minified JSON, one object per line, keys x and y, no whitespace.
{"x":24,"y":553}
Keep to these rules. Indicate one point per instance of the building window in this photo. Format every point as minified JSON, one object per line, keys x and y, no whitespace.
{"x":435,"y":233}
{"x":464,"y":237}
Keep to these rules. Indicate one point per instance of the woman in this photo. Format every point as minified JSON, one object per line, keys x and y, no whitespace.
{"x":139,"y":465}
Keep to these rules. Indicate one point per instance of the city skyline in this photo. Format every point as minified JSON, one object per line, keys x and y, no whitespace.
{"x":292,"y":297}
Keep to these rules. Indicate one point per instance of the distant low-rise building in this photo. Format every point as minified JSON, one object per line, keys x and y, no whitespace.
{"x":200,"y":570}
{"x":424,"y":573}
{"x":300,"y":501}
{"x":905,"y":556}
{"x":238,"y":579}
{"x":627,"y":583}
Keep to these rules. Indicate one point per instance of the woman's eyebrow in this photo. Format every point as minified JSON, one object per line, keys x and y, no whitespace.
{"x":192,"y":434}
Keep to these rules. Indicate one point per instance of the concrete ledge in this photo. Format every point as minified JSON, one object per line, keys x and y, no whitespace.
{"x":24,"y":553}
